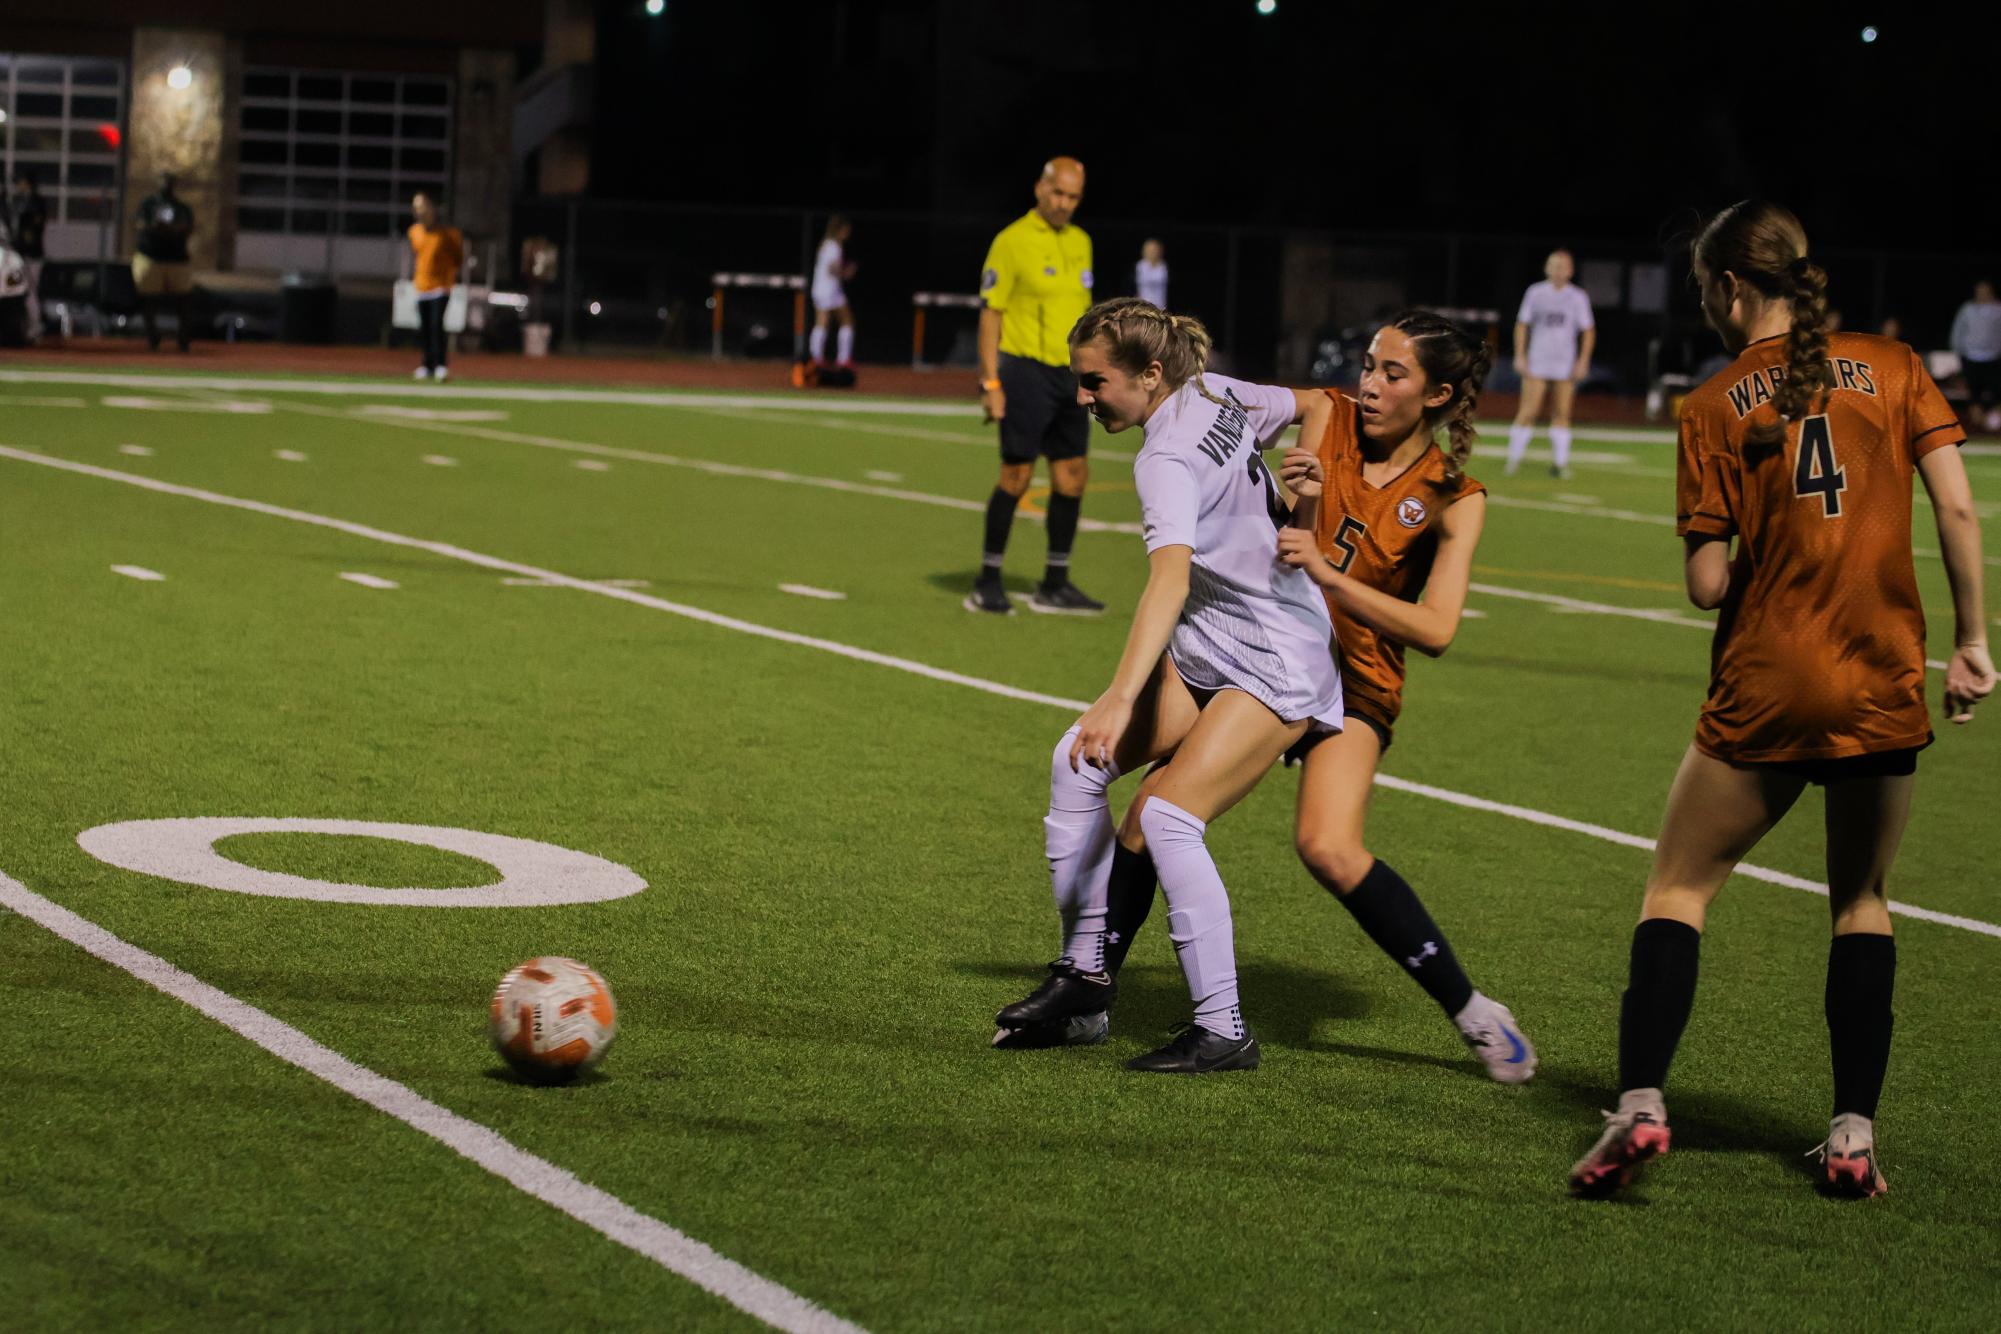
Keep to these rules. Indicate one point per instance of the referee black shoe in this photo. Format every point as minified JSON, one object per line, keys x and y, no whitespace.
{"x":1064,"y":994}
{"x":1197,"y":1051}
{"x":1064,"y":599}
{"x":989,"y":596}
{"x":1086,"y":1030}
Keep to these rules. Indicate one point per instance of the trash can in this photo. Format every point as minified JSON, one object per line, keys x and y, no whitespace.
{"x":305,"y":309}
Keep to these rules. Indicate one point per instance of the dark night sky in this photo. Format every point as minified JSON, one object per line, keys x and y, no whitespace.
{"x":1601,"y":121}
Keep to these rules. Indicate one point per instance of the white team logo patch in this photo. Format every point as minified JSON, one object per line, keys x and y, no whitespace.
{"x":1410,"y":512}
{"x":1087,"y":279}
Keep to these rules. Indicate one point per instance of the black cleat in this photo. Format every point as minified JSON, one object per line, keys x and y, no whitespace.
{"x":1197,"y":1051}
{"x":989,"y":596}
{"x":1064,"y":599}
{"x":1086,"y":1030}
{"x":1064,"y":994}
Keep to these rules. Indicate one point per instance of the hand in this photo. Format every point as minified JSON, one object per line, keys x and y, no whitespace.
{"x":1578,"y":372}
{"x":1301,"y":550}
{"x":1522,"y":367}
{"x":1302,"y":472}
{"x":1969,"y":678}
{"x":1099,"y":730}
{"x":993,"y":402}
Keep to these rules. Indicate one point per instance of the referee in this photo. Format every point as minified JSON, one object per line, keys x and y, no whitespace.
{"x":1036,"y":285}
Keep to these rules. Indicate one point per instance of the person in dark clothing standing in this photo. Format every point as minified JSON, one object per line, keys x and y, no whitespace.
{"x":27,"y":220}
{"x":160,"y":267}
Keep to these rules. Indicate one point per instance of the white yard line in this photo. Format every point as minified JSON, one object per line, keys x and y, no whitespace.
{"x":808,"y":591}
{"x":140,"y":573}
{"x":369,"y":580}
{"x":1074,"y":706}
{"x":40,"y":401}
{"x":137,"y":451}
{"x":602,"y":1212}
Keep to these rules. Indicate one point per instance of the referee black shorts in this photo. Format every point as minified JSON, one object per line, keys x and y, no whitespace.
{"x":1043,"y":415}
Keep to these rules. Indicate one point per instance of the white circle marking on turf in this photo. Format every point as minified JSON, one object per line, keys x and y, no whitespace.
{"x":532,"y":874}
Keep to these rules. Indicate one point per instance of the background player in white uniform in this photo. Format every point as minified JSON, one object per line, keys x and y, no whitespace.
{"x":830,"y":270}
{"x":1150,"y":274}
{"x":1554,"y":336}
{"x":1225,"y":667}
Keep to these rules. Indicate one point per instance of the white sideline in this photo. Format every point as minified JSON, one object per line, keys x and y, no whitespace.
{"x":886,"y":660}
{"x":596,"y":1209}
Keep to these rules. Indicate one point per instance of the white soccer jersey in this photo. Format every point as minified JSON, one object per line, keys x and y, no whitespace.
{"x":827,"y":293}
{"x":1151,"y":280}
{"x":1250,"y":622}
{"x":1557,"y":317}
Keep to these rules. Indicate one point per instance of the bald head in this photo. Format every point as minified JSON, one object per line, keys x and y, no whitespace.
{"x":1059,"y":190}
{"x":1559,"y":268}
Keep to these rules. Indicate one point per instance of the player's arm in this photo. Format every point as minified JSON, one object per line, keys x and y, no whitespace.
{"x":1969,"y":677}
{"x":1427,"y":626}
{"x":1159,"y":608}
{"x":1301,"y":472}
{"x":1521,"y":348}
{"x":1705,"y":570}
{"x":1587,"y":343}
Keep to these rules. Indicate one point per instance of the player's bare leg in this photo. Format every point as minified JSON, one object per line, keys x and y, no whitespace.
{"x":1530,"y":408}
{"x":1715,"y":815}
{"x":1562,"y":397}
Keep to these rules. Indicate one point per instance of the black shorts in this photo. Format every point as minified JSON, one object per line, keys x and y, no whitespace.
{"x":1043,"y":416}
{"x":1304,"y":746}
{"x":1882,"y":764}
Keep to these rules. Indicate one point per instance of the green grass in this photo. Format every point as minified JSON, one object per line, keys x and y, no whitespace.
{"x":845,"y":879}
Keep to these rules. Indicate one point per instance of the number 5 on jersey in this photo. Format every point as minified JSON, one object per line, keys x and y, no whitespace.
{"x":1815,"y":472}
{"x":1347,"y":537}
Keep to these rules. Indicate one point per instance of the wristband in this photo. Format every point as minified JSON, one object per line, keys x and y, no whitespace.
{"x":989,"y":384}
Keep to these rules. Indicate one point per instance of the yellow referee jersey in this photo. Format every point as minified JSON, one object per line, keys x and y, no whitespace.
{"x":1040,"y":281}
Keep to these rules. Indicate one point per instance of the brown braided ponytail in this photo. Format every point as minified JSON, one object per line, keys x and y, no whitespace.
{"x":1137,"y":333}
{"x":1763,"y":244}
{"x":1450,"y":354}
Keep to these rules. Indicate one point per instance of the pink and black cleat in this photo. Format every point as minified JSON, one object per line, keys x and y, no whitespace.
{"x":1635,"y":1133}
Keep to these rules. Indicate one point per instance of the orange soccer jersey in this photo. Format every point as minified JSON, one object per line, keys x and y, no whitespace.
{"x":1383,"y":536}
{"x":439,"y":252}
{"x":1820,"y":646}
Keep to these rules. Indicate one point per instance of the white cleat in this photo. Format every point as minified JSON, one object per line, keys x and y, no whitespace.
{"x":1633,"y":1135}
{"x":1490,"y":1030}
{"x":1849,"y":1155}
{"x":441,"y":375}
{"x":421,"y":373}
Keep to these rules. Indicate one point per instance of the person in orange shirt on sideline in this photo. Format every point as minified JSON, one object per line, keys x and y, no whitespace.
{"x":1802,"y":451}
{"x":439,"y":251}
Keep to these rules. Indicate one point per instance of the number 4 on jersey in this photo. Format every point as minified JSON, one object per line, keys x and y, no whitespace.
{"x":1815,"y":472}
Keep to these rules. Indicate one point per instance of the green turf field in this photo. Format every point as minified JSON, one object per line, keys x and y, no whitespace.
{"x":844,"y":860}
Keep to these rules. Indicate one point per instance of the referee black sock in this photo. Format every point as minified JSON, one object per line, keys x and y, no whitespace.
{"x":1387,"y":908}
{"x":1861,"y":979}
{"x":1000,"y":518}
{"x":1660,"y":993}
{"x":1062,"y":521}
{"x":1128,"y":899}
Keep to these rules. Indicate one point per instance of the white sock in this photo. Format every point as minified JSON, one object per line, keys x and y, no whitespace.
{"x":1077,"y":835}
{"x":1518,"y":444}
{"x":845,"y":342}
{"x":1198,"y":914}
{"x":816,"y":343}
{"x":1559,"y":445}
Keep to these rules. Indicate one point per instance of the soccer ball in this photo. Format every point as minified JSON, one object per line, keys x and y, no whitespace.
{"x":552,"y":1018}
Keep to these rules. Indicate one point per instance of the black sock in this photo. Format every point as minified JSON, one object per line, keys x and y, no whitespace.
{"x":1128,"y":899}
{"x":1000,"y":518}
{"x":1660,"y":992}
{"x":1861,"y":979}
{"x":1062,"y":523}
{"x":1388,"y":909}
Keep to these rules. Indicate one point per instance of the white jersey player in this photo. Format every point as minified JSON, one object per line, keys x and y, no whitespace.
{"x":831,"y":270}
{"x":1227,"y":664}
{"x":1554,"y":338}
{"x":1150,"y":274}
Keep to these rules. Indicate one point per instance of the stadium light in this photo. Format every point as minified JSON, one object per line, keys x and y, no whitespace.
{"x":179,"y":77}
{"x":1869,"y":34}
{"x":656,"y":7}
{"x":597,"y":308}
{"x":1267,"y":6}
{"x":3,"y":115}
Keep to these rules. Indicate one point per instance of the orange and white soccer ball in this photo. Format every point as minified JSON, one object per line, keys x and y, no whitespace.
{"x":552,"y":1018}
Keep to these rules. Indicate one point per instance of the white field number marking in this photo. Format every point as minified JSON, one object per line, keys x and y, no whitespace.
{"x":139,"y":572}
{"x":368,"y":580}
{"x":527,"y":874}
{"x":808,"y":591}
{"x":137,"y":451}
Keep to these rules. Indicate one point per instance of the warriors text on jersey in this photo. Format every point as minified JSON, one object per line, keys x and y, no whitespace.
{"x":1820,"y":644}
{"x":1385,"y":537}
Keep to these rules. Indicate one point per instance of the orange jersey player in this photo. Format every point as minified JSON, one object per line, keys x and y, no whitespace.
{"x":1382,"y":514}
{"x":1802,"y":450}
